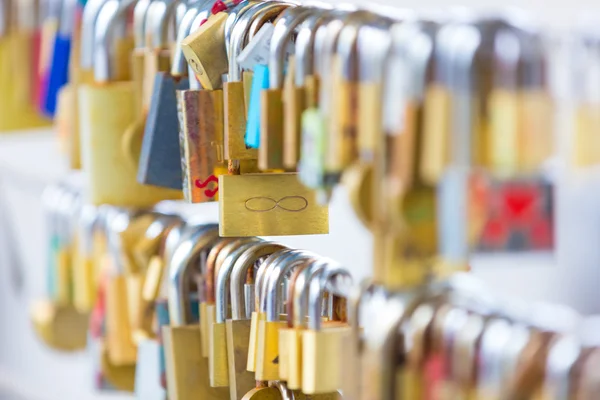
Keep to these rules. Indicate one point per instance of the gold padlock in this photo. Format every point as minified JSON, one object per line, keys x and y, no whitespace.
{"x":287,"y":334}
{"x":187,"y":370}
{"x":322,"y":350}
{"x":295,"y":101}
{"x":272,"y":125}
{"x":105,"y":113}
{"x":257,"y":314}
{"x":84,"y":275}
{"x":233,"y":89}
{"x":217,"y":359}
{"x":267,"y":355}
{"x":299,"y":297}
{"x":238,"y":327}
{"x":205,"y":52}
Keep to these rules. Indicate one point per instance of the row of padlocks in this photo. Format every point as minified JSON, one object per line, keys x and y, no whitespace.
{"x":440,"y":127}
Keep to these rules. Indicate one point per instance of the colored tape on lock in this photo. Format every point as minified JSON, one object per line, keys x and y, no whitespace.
{"x":260,"y":81}
{"x":59,"y":72}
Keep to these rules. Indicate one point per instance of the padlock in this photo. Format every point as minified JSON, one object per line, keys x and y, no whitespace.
{"x":213,"y":264}
{"x":269,"y":204}
{"x":272,"y":126}
{"x":55,"y":319}
{"x":342,"y":144}
{"x":322,"y":349}
{"x":286,"y":335}
{"x":84,"y":275}
{"x":160,"y":160}
{"x":311,"y":168}
{"x":238,"y":327}
{"x":295,"y":97}
{"x":201,"y":134}
{"x":297,"y":315}
{"x":16,"y":42}
{"x":207,"y":295}
{"x":108,"y":376}
{"x":102,"y":131}
{"x":187,"y":371}
{"x":233,"y":89}
{"x":59,"y":67}
{"x":267,"y":353}
{"x":205,"y":51}
{"x":218,"y":359}
{"x":121,"y":349}
{"x":257,"y":314}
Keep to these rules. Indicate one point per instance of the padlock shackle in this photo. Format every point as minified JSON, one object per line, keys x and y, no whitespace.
{"x":318,"y":287}
{"x":300,"y":291}
{"x":111,"y":15}
{"x":212,"y":270}
{"x":202,"y":15}
{"x":158,"y":19}
{"x":67,"y":18}
{"x":239,"y":33}
{"x":88,"y":24}
{"x":88,"y":218}
{"x":273,"y":292}
{"x":347,"y":44}
{"x":325,"y":43}
{"x":303,"y":51}
{"x":179,"y":64}
{"x":117,"y":222}
{"x":286,"y":394}
{"x":240,"y":307}
{"x":181,"y":268}
{"x":140,"y":11}
{"x":282,"y":35}
{"x":209,"y":268}
{"x":261,"y":276}
{"x":223,"y":281}
{"x":374,"y":44}
{"x":233,"y":15}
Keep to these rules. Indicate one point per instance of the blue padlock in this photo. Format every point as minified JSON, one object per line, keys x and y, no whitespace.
{"x":260,"y":81}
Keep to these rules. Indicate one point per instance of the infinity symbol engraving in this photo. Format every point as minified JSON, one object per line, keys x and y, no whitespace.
{"x":287,"y":203}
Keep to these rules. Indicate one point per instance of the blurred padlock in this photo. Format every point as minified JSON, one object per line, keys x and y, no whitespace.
{"x":106,"y":112}
{"x":267,"y":356}
{"x":182,"y":340}
{"x":160,"y":159}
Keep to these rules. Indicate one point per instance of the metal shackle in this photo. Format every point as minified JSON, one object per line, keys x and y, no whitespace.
{"x":319,"y":286}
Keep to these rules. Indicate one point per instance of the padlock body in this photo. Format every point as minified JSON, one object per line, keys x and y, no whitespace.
{"x":187,"y":370}
{"x":235,"y":123}
{"x":270,"y":152}
{"x":240,"y":379}
{"x":269,"y":204}
{"x":253,"y":340}
{"x":267,"y":355}
{"x":217,"y":360}
{"x":321,"y":354}
{"x":105,"y":113}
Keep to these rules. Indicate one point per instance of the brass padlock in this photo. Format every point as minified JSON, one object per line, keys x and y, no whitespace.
{"x":278,"y":204}
{"x":217,"y":359}
{"x":287,"y":335}
{"x":207,"y":296}
{"x":322,"y":347}
{"x":257,"y":314}
{"x":106,"y":112}
{"x":272,"y":101}
{"x":205,"y":52}
{"x":84,"y":275}
{"x":299,"y":314}
{"x":295,"y":101}
{"x":233,"y":89}
{"x":238,"y":327}
{"x":187,"y":370}
{"x":267,"y":355}
{"x":56,"y":321}
{"x":160,"y":158}
{"x":121,"y":349}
